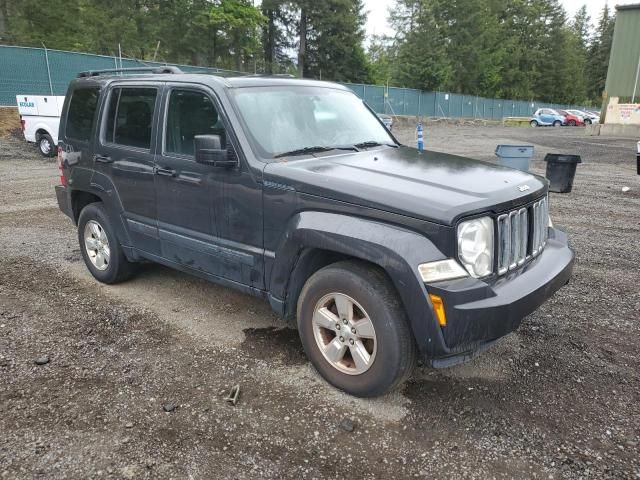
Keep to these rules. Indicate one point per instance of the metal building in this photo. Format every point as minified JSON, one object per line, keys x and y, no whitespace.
{"x":624,"y":61}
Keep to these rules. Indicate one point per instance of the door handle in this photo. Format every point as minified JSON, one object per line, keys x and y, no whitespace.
{"x":102,"y":159}
{"x":166,"y":172}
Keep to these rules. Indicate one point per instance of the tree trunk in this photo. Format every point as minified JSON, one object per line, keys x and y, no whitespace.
{"x":4,"y":16}
{"x":238,"y":50}
{"x":302,"y":52}
{"x":269,"y":46}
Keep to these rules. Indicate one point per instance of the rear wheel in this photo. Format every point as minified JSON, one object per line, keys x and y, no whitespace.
{"x":100,"y":248}
{"x":557,"y":123}
{"x":533,"y":123}
{"x":587,"y":121}
{"x":46,"y":145}
{"x":354,"y":329}
{"x":572,"y":123}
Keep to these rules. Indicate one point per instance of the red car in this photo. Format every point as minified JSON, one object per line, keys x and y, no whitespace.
{"x":572,"y":120}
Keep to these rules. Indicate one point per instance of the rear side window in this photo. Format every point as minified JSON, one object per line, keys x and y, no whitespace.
{"x":82,"y":110}
{"x":129,"y":116}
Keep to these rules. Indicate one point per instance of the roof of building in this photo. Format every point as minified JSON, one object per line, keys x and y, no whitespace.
{"x":630,"y":6}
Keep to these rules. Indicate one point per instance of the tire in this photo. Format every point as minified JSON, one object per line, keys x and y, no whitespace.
{"x":587,"y":121}
{"x":572,"y":123}
{"x":392,"y":350}
{"x":533,"y":123}
{"x":95,"y":223}
{"x":46,"y":145}
{"x":557,"y":123}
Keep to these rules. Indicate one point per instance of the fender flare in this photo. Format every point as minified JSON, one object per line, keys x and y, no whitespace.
{"x":46,"y":128}
{"x":396,"y":250}
{"x":102,"y":187}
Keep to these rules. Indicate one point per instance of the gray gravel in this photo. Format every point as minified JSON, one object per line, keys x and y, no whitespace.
{"x":557,"y":399}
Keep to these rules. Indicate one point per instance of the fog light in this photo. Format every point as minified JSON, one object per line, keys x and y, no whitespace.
{"x":441,"y":270}
{"x":438,"y":308}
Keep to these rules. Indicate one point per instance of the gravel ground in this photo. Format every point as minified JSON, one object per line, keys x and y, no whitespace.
{"x":129,"y":381}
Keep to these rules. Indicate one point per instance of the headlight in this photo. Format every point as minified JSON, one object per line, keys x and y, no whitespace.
{"x":475,"y":246}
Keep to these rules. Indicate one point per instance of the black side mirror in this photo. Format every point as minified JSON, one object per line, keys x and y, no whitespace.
{"x":209,"y":152}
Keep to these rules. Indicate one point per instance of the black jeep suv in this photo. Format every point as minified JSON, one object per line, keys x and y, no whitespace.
{"x":294,"y":191}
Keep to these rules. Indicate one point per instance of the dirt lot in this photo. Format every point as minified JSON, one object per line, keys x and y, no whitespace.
{"x":557,"y":399}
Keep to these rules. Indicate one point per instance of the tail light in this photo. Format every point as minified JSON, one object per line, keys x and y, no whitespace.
{"x":23,"y":124}
{"x":63,"y":178}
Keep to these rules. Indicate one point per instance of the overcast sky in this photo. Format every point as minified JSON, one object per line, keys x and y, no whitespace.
{"x":377,"y":17}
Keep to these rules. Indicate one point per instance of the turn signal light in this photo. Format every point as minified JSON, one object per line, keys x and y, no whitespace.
{"x":438,"y":308}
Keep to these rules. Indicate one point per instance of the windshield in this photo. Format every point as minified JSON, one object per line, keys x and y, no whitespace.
{"x":288,"y":119}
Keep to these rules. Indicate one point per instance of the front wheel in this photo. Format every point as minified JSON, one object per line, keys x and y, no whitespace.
{"x":46,"y":145}
{"x":572,"y":123}
{"x":557,"y":123}
{"x":587,"y":121}
{"x":354,"y":329}
{"x":533,"y":123}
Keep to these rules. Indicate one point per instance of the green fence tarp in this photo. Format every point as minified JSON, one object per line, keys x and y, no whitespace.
{"x":23,"y":71}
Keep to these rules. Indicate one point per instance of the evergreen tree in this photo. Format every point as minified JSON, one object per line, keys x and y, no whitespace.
{"x":334,"y":41}
{"x":599,"y":52}
{"x":421,"y":60}
{"x":380,"y":59}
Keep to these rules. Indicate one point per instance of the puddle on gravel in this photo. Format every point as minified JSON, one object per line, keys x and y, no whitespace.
{"x":283,"y":343}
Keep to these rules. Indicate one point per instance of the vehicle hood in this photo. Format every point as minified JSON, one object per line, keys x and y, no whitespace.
{"x":428,"y":185}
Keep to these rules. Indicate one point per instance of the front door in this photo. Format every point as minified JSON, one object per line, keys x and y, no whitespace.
{"x":125,"y":154}
{"x":193,"y":203}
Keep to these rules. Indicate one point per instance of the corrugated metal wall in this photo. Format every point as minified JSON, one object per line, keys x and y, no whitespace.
{"x":24,"y":71}
{"x":625,"y":53}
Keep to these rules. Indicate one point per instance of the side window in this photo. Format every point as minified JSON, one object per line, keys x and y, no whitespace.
{"x":81,"y":112}
{"x":130,"y":116}
{"x":190,"y":113}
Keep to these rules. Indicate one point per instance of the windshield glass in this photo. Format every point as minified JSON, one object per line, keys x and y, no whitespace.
{"x":285,"y":119}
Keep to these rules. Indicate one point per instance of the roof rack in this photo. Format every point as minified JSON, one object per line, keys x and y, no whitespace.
{"x":155,"y":70}
{"x":271,"y":75}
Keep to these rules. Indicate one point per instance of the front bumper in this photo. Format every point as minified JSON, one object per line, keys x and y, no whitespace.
{"x":480,"y":312}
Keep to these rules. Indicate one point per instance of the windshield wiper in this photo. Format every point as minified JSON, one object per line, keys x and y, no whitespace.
{"x":316,"y":149}
{"x":373,"y":143}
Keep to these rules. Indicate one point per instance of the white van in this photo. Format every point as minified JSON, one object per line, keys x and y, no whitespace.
{"x":40,"y":119}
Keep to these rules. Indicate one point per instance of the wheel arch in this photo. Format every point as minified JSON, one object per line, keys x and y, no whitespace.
{"x":316,"y":239}
{"x":42,"y":131}
{"x":80,"y":198}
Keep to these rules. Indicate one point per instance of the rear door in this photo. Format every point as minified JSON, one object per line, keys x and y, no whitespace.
{"x":124,"y":158}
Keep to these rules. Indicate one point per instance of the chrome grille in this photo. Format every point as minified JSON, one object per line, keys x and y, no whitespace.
{"x":522,"y":234}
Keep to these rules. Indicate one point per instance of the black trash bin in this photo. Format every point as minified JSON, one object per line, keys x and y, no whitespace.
{"x":561,"y":169}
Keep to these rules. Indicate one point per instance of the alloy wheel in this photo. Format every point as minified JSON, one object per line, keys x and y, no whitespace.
{"x":97,"y":245}
{"x":344,"y":333}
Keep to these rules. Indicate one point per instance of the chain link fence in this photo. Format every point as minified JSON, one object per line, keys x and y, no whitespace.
{"x":406,"y":101}
{"x":39,"y":71}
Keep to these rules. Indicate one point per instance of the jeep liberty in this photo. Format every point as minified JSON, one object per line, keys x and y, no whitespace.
{"x":294,"y":191}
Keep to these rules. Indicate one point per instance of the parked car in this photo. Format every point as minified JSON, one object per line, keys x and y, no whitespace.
{"x":39,"y":119}
{"x":586,"y":116}
{"x":571,"y":119}
{"x":594,"y":113}
{"x":387,"y":120}
{"x":547,"y":117}
{"x":594,"y":116}
{"x":293,"y":191}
